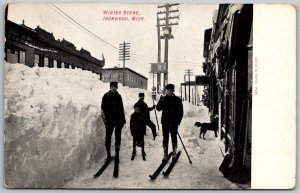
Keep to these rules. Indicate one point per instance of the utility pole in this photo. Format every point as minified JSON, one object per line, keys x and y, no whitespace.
{"x":166,"y":26}
{"x":184,"y":88}
{"x":158,"y":55}
{"x":181,"y":92}
{"x":189,"y":72}
{"x":195,"y":93}
{"x":124,"y":54}
{"x":153,"y":77}
{"x":185,"y":91}
{"x":192,"y":96}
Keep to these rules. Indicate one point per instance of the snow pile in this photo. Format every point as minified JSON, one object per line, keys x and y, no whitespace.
{"x":53,"y":130}
{"x":191,"y":110}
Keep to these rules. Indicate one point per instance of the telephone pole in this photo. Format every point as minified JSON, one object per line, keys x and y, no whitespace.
{"x":153,"y":77}
{"x":189,"y":72}
{"x":124,"y":54}
{"x":167,"y":29}
{"x":158,"y":55}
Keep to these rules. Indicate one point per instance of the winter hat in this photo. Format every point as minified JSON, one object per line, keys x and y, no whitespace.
{"x":141,"y":94}
{"x":170,"y":87}
{"x":114,"y":84}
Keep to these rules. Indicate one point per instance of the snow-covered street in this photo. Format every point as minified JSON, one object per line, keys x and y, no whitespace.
{"x":55,"y":138}
{"x":203,"y":173}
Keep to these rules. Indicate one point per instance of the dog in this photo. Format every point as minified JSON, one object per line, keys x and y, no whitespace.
{"x":213,"y":126}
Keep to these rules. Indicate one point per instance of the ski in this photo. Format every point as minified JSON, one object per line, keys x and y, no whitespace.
{"x":159,"y":169}
{"x":116,"y":169}
{"x":171,"y":166}
{"x":101,"y":170}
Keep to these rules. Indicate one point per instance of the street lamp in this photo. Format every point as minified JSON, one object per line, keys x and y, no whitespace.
{"x":167,"y":35}
{"x":167,"y":31}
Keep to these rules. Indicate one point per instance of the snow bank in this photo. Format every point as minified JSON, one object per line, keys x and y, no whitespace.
{"x":53,"y":130}
{"x":191,"y":110}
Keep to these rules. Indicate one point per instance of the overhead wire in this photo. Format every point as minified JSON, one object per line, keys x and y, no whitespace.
{"x":84,"y":29}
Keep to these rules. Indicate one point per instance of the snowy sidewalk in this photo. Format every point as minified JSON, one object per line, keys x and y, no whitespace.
{"x":203,"y":173}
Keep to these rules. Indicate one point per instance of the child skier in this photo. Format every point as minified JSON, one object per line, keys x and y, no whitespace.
{"x":138,"y":130}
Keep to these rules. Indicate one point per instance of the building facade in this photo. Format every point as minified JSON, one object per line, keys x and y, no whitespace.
{"x":37,"y":47}
{"x":228,"y":65}
{"x":130,"y":78}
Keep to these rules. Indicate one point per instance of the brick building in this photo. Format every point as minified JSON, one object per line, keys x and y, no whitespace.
{"x":37,"y":47}
{"x":132,"y":79}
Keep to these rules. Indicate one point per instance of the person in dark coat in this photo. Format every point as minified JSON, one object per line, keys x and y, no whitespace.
{"x":112,"y":112}
{"x":172,"y":113}
{"x":138,"y":130}
{"x":144,"y":109}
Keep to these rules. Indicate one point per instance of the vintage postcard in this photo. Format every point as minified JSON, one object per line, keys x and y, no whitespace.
{"x":150,"y":96}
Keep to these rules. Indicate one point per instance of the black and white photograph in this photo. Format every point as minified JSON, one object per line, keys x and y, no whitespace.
{"x":129,"y":96}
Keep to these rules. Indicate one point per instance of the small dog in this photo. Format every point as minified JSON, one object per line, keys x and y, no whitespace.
{"x":213,"y":126}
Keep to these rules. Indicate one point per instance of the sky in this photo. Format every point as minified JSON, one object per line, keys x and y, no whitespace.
{"x":185,"y":50}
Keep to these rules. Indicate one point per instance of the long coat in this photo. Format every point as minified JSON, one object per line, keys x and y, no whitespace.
{"x":144,"y":109}
{"x":172,"y":109}
{"x":112,"y":107}
{"x":137,"y":124}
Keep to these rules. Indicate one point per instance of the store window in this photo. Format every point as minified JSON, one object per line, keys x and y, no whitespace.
{"x":12,"y":56}
{"x":120,"y":77}
{"x":54,"y":63}
{"x":46,"y":62}
{"x":22,"y":57}
{"x":36,"y":60}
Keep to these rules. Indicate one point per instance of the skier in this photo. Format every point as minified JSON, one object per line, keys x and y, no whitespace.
{"x":138,"y":130}
{"x":144,"y":109}
{"x":172,"y":113}
{"x":112,"y":112}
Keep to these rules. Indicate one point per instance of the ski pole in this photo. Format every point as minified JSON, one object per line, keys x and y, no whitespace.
{"x":155,"y":115}
{"x":184,"y":149}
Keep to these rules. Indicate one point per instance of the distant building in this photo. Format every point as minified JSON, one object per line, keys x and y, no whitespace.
{"x":37,"y":47}
{"x":132,"y":79}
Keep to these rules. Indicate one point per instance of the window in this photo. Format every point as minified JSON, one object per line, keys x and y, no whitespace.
{"x":12,"y":56}
{"x":22,"y":57}
{"x":46,"y":62}
{"x":36,"y":60}
{"x":54,"y":64}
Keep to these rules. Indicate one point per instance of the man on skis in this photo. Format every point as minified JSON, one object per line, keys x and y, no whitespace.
{"x":172,"y":113}
{"x":138,"y":130}
{"x":144,"y":110}
{"x":112,"y":112}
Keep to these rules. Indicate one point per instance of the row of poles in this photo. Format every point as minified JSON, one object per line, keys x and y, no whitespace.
{"x":166,"y":26}
{"x":193,"y":97}
{"x":166,"y":18}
